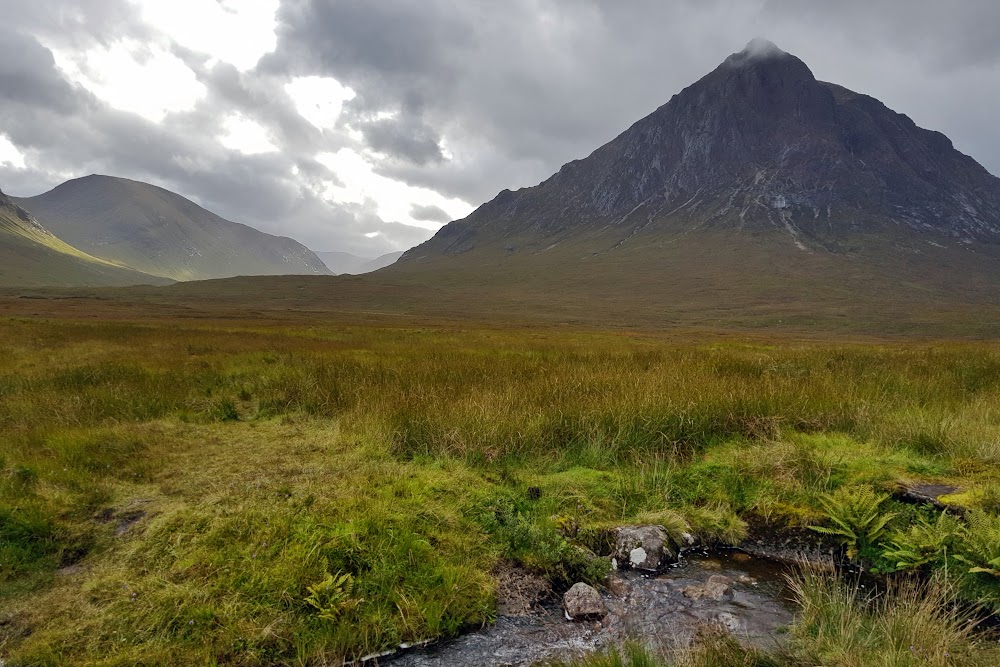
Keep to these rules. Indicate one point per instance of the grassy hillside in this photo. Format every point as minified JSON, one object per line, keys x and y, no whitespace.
{"x":724,"y":280}
{"x":729,"y":278}
{"x":381,"y":262}
{"x":170,"y":490}
{"x":31,"y":256}
{"x":161,"y":233}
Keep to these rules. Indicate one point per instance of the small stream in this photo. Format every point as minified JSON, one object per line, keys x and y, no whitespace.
{"x":651,"y":610}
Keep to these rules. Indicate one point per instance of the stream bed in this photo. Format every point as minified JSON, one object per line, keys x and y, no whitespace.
{"x":665,"y":610}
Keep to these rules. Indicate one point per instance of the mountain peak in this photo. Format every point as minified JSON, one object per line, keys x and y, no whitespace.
{"x":757,"y":144}
{"x":762,"y":55}
{"x":759,"y":48}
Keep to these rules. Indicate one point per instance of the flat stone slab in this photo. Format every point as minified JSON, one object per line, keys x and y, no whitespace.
{"x":716,"y":588}
{"x":927,"y":494}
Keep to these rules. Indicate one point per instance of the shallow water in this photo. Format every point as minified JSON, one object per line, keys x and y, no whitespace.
{"x":651,"y":610}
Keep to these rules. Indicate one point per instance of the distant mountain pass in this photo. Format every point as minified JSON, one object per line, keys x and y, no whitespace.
{"x":346,"y":263}
{"x":161,"y":233}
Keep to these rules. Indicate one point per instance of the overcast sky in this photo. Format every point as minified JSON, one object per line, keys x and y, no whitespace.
{"x":363,"y":125}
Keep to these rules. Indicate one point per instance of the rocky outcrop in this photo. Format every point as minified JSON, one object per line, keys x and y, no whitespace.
{"x":582,"y":602}
{"x":929,"y":494}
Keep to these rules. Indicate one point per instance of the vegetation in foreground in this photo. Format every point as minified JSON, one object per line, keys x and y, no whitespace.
{"x":176,"y":494}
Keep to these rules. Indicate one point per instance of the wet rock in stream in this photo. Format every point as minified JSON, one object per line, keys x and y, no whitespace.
{"x":583,"y":602}
{"x":718,"y":587}
{"x":791,"y":545}
{"x":647,"y":548}
{"x":753,"y":604}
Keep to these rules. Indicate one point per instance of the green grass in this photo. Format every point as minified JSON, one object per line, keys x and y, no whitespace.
{"x":176,"y":493}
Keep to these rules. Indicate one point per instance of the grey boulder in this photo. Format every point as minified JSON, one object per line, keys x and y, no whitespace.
{"x":583,"y":602}
{"x":647,"y":548}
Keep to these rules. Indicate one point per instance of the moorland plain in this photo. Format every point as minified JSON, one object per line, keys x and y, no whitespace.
{"x":181,"y":491}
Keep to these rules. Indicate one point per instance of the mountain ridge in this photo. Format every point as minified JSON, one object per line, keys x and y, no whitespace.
{"x":31,"y":255}
{"x":757,"y":143}
{"x":159,"y":232}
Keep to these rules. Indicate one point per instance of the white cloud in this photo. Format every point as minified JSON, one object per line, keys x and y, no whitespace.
{"x":394,"y":199}
{"x":9,"y":154}
{"x":141,"y":78}
{"x":319,"y":99}
{"x":246,"y":136}
{"x":238,"y":32}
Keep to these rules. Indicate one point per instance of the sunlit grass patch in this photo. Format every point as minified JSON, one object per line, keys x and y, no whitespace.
{"x":251,"y":517}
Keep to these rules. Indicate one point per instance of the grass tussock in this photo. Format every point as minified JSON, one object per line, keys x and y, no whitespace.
{"x":235,"y":495}
{"x":911,"y":624}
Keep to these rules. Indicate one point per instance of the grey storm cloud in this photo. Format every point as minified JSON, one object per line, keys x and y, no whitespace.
{"x":940,"y":35}
{"x":410,"y":139}
{"x":28,"y":77}
{"x":76,"y":23}
{"x":464,"y":98}
{"x":430,"y":214}
{"x":520,"y":88}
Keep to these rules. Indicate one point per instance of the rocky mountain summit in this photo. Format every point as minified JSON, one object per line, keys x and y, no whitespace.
{"x":759,"y":144}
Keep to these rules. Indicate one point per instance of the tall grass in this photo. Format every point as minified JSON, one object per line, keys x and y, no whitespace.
{"x":910,"y":624}
{"x":221,"y":473}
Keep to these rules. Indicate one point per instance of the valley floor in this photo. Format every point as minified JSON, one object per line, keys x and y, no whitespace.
{"x":178,"y":492}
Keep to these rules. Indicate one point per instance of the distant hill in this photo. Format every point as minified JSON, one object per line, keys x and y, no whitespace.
{"x":342,"y":262}
{"x":30,"y":255}
{"x":161,"y":233}
{"x":756,"y":190}
{"x":348,"y":264}
{"x":381,"y":262}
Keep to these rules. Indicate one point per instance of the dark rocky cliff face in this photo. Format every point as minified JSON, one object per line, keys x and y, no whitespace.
{"x":757,"y":144}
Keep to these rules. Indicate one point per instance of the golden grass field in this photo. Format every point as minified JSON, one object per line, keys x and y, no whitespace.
{"x":171,"y":487}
